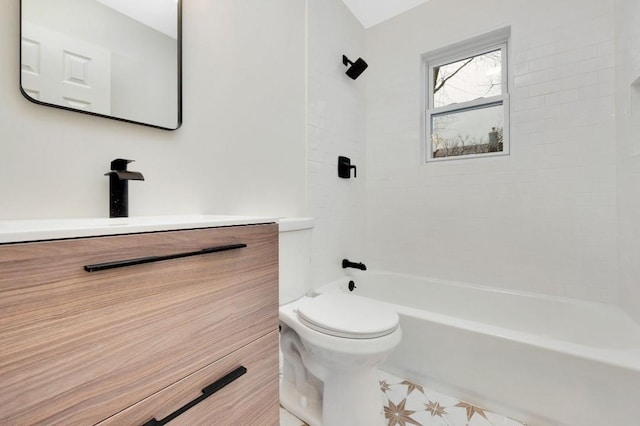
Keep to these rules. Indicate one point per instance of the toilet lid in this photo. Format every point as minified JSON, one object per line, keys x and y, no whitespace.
{"x":347,"y":315}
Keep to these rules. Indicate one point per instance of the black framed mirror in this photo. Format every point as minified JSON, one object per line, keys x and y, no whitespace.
{"x":119,"y":59}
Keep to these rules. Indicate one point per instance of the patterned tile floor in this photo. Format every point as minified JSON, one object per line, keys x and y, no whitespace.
{"x":408,"y":403}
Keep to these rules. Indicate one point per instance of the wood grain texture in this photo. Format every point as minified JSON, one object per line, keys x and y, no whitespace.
{"x":250,"y":400}
{"x":76,"y":347}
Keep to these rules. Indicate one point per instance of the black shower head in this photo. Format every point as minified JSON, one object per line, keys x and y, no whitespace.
{"x":356,"y":67}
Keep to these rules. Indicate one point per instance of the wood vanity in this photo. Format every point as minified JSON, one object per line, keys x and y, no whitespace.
{"x":129,"y":329}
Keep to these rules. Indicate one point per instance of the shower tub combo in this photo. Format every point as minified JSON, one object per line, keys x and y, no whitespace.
{"x":540,"y":359}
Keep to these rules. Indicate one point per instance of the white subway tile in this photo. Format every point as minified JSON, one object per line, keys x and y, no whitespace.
{"x":562,"y":97}
{"x":545,"y":88}
{"x":542,"y":205}
{"x":528,"y":103}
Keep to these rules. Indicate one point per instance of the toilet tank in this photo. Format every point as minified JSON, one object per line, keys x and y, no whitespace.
{"x":294,"y":258}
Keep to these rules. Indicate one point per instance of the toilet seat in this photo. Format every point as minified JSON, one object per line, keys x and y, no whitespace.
{"x":347,"y":315}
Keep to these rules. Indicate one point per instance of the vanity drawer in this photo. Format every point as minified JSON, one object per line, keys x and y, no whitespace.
{"x":251,"y":399}
{"x":78,"y":346}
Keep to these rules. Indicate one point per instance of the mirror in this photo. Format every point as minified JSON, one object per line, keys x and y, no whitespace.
{"x":118,"y":59}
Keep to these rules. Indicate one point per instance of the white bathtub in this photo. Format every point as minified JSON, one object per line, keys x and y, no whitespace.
{"x":542,"y":360}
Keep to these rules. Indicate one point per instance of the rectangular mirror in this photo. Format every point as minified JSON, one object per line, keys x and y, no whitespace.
{"x":118,"y":59}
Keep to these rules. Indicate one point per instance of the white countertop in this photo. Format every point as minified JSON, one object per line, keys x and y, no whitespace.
{"x":12,"y":231}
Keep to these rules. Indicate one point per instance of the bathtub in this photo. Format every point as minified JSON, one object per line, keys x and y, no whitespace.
{"x":540,"y":359}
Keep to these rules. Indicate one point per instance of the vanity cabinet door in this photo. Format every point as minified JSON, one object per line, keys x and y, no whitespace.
{"x":77,"y":346}
{"x":250,"y":399}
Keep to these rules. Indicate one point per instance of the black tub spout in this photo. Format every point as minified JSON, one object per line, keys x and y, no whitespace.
{"x":347,"y":264}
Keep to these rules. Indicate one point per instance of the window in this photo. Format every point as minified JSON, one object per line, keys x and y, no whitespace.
{"x":466,"y":100}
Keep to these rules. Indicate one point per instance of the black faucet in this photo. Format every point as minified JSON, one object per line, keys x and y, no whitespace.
{"x":347,"y":264}
{"x":119,"y":177}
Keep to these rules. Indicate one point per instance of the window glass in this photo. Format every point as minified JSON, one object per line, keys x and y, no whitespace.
{"x":468,"y":79}
{"x":465,"y":132}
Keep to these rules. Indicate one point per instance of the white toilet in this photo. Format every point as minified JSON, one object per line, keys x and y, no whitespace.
{"x":331,"y":344}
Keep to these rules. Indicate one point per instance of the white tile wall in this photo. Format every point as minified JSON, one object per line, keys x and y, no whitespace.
{"x":335,"y":126}
{"x":627,"y":13}
{"x":542,"y":219}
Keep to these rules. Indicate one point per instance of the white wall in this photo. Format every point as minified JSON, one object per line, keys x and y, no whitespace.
{"x":241,"y":149}
{"x":336,"y":126}
{"x":627,"y":14}
{"x":542,"y":219}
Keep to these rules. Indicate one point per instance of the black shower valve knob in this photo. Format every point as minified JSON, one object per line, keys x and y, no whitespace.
{"x":344,"y":168}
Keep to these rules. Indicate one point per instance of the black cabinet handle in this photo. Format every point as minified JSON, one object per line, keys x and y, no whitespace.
{"x":206,"y":393}
{"x":141,"y":260}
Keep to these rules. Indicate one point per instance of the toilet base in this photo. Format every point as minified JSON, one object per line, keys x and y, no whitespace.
{"x":353,"y":398}
{"x":307,"y":410}
{"x":348,"y":399}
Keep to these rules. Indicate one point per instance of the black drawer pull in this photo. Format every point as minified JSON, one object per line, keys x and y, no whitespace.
{"x":206,"y":393}
{"x":141,"y":260}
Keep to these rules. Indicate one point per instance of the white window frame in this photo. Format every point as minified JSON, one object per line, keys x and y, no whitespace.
{"x":497,"y":40}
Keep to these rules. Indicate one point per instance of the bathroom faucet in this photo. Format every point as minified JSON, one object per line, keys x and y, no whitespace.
{"x":119,"y":178}
{"x":347,"y":264}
